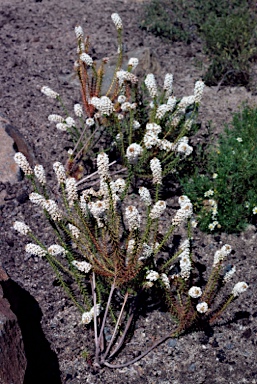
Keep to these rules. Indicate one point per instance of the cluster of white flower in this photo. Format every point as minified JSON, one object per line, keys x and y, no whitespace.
{"x":117,"y":21}
{"x":78,"y":110}
{"x":56,"y":250}
{"x":165,"y":280}
{"x":133,"y":152}
{"x":75,"y":232}
{"x":147,"y":250}
{"x":21,"y":227}
{"x":151,"y":135}
{"x":185,"y":211}
{"x":54,"y":118}
{"x":23,"y":163}
{"x":151,"y":85}
{"x":239,"y":288}
{"x":208,"y":193}
{"x":221,"y":254}
{"x":156,"y":169}
{"x":152,"y":275}
{"x":151,"y":138}
{"x":103,"y":104}
{"x":82,"y":266}
{"x":183,"y":147}
{"x":60,"y":172}
{"x":126,"y":76}
{"x":162,"y":110}
{"x":185,"y":262}
{"x":37,"y":199}
{"x":168,"y":82}
{"x":133,"y":62}
{"x":195,"y":292}
{"x":86,"y":59}
{"x":34,"y":249}
{"x":40,"y":174}
{"x":98,"y":208}
{"x":157,"y":210}
{"x":228,"y":275}
{"x":103,"y":166}
{"x":87,"y":317}
{"x":198,"y":91}
{"x":202,"y":307}
{"x":49,"y":92}
{"x":79,"y":32}
{"x":52,"y":208}
{"x":133,"y":218}
{"x":145,"y":196}
{"x":126,"y":107}
{"x":71,"y":190}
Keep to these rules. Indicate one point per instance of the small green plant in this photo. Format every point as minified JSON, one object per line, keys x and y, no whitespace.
{"x":110,"y":239}
{"x":230,"y":43}
{"x":226,"y":28}
{"x":224,"y":189}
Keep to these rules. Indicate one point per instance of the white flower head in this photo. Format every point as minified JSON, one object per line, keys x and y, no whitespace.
{"x":122,"y":99}
{"x":151,"y":85}
{"x":98,"y":208}
{"x":34,"y":249}
{"x":37,"y":199}
{"x":90,"y":122}
{"x":79,"y":32}
{"x":60,"y":172}
{"x":195,"y":292}
{"x":70,"y":122}
{"x":75,"y":232}
{"x":21,"y":227}
{"x":133,"y":152}
{"x":152,"y":275}
{"x":49,"y":92}
{"x":103,"y":165}
{"x":133,"y":62}
{"x":198,"y":91}
{"x":40,"y":174}
{"x":55,"y":118}
{"x":136,"y":124}
{"x":78,"y":110}
{"x":254,"y":210}
{"x":158,"y":209}
{"x":117,"y":21}
{"x":164,"y":278}
{"x":86,"y":59}
{"x":202,"y":307}
{"x":168,"y":82}
{"x":52,"y":208}
{"x":23,"y":163}
{"x":71,"y":190}
{"x":239,"y":288}
{"x":56,"y":250}
{"x":82,"y":266}
{"x":62,"y":127}
{"x":133,"y":217}
{"x":156,"y":169}
{"x":228,"y":275}
{"x":145,"y":196}
{"x":86,"y":318}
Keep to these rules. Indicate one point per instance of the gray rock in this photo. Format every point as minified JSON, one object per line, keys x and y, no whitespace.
{"x":9,"y":170}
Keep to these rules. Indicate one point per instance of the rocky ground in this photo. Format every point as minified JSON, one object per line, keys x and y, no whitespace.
{"x":38,"y":47}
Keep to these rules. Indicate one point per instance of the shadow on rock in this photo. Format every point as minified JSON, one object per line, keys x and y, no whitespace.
{"x":42,"y":363}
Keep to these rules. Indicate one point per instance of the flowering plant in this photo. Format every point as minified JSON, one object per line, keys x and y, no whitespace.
{"x":111,"y":241}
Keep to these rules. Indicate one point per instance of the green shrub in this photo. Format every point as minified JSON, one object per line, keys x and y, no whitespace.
{"x":227,"y":29}
{"x":228,"y":176}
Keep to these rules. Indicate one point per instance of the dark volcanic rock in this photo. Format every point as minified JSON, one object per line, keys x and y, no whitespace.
{"x":12,"y":357}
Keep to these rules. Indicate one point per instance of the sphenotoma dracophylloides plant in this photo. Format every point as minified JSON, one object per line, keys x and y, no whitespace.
{"x":131,"y":117}
{"x":112,"y":243}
